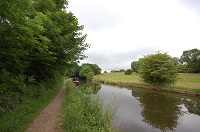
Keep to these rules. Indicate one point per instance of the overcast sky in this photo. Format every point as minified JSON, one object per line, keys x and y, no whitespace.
{"x":123,"y":31}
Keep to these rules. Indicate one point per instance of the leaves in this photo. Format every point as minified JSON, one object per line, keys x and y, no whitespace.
{"x":38,"y":39}
{"x":191,"y":58}
{"x":157,"y":69}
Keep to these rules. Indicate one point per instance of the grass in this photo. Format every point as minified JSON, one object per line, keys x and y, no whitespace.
{"x":22,"y":116}
{"x":82,"y":113}
{"x":189,"y":80}
{"x":186,"y":82}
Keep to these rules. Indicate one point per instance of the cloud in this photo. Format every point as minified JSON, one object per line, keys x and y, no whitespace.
{"x":109,"y":60}
{"x":121,"y":32}
{"x":94,"y":16}
{"x":194,"y":4}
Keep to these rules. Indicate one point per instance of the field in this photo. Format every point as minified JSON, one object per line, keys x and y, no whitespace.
{"x":186,"y":81}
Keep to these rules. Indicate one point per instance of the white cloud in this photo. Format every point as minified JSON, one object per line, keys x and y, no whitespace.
{"x":117,"y":28}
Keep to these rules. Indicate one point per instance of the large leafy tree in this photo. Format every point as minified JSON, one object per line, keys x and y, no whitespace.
{"x":86,"y":71}
{"x":191,"y":58}
{"x":134,"y":66}
{"x":95,"y":68}
{"x":66,"y":39}
{"x":157,"y":69}
{"x":21,"y":29}
{"x":73,"y":70}
{"x":39,"y":40}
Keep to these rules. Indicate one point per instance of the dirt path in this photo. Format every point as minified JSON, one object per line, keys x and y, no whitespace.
{"x":49,"y":119}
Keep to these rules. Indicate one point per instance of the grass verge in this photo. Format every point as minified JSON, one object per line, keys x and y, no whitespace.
{"x":187,"y":83}
{"x":82,"y":113}
{"x":22,"y":116}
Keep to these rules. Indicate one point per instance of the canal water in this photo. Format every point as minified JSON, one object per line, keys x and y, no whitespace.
{"x":142,"y":110}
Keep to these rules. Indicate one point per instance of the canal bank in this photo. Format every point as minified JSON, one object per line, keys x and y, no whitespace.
{"x":178,"y":90}
{"x":187,"y":84}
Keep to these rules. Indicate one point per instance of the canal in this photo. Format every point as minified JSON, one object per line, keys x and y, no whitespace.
{"x":141,"y":110}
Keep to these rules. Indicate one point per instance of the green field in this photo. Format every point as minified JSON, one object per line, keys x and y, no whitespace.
{"x":186,"y":81}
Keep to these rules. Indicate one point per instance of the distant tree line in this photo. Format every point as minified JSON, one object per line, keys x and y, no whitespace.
{"x":161,"y":69}
{"x":39,"y":40}
{"x":189,"y":62}
{"x":86,"y":71}
{"x":126,"y":72}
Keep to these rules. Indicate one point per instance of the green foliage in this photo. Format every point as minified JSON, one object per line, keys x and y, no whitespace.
{"x":191,"y":58}
{"x":38,"y":40}
{"x":113,"y":71}
{"x":85,"y":70}
{"x":176,"y":61}
{"x":157,"y":69}
{"x":186,"y":82}
{"x":18,"y":119}
{"x":128,"y":72}
{"x":134,"y":66}
{"x":12,"y":88}
{"x":73,"y":70}
{"x":121,"y":70}
{"x":89,"y":70}
{"x":84,"y":113}
{"x":181,"y":69}
{"x":95,"y":68}
{"x":90,"y":87}
{"x":90,"y":76}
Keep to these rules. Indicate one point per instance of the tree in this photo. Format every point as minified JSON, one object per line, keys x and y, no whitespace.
{"x":191,"y":58}
{"x":86,"y":71}
{"x":121,"y":70}
{"x":95,"y":68}
{"x":176,"y":61}
{"x":157,"y":69}
{"x":134,"y":66}
{"x":39,"y":40}
{"x":128,"y":72}
{"x":73,"y":70}
{"x":89,"y":70}
{"x":179,"y":65}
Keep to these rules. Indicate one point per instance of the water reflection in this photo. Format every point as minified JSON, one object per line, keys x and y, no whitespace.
{"x":159,"y":110}
{"x":152,"y":111}
{"x":193,"y":107}
{"x":90,"y":87}
{"x":148,"y":110}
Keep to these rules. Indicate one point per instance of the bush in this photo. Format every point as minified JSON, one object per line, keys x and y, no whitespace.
{"x":23,"y":112}
{"x":128,"y":72}
{"x":157,"y":69}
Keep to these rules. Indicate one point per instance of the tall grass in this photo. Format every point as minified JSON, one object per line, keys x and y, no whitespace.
{"x":82,"y":113}
{"x":18,"y":119}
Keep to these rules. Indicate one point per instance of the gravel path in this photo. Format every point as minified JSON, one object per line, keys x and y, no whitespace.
{"x":49,"y":120}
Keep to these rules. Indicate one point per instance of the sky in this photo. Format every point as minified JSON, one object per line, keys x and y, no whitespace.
{"x":120,"y":32}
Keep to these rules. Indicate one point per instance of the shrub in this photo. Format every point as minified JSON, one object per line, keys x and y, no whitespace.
{"x":128,"y":72}
{"x":157,"y":69}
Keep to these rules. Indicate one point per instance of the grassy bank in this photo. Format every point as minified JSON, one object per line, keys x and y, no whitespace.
{"x":186,"y":84}
{"x":18,"y":119}
{"x":82,"y":113}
